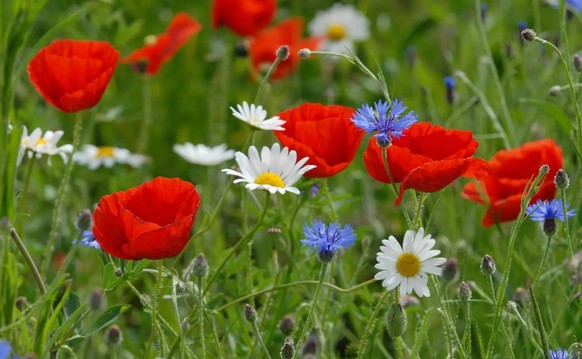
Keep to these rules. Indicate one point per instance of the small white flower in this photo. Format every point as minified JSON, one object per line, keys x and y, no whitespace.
{"x":275,"y":170}
{"x":202,"y":154}
{"x":408,"y":265}
{"x":38,"y":144}
{"x":341,"y":25}
{"x":255,"y":116}
{"x":93,"y":157}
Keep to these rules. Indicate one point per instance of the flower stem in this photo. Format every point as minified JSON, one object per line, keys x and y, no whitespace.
{"x":155,"y":308}
{"x":307,"y":324}
{"x":59,"y":200}
{"x":22,"y":204}
{"x":258,"y":334}
{"x":419,"y":210}
{"x":387,"y":169}
{"x":371,"y":324}
{"x":540,"y":323}
{"x":201,"y":310}
{"x":545,"y":255}
{"x":29,"y":261}
{"x":147,"y":115}
{"x":566,"y":225}
{"x":240,"y":243}
{"x":329,"y":200}
{"x":266,"y":79}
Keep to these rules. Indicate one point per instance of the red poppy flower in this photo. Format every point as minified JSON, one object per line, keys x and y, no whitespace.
{"x":150,"y":221}
{"x":263,"y":47}
{"x":427,"y":158}
{"x":181,"y":28}
{"x":72,"y":75}
{"x":510,"y":172}
{"x":325,"y":134}
{"x":243,"y":17}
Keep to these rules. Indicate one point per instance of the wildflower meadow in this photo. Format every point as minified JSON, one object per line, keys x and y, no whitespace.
{"x":290,"y":179}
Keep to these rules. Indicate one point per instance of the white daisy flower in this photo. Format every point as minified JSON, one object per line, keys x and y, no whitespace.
{"x":275,"y":170}
{"x":255,"y":116}
{"x":341,"y":25}
{"x":408,"y":265}
{"x":202,"y":154}
{"x":94,"y":157}
{"x":38,"y":144}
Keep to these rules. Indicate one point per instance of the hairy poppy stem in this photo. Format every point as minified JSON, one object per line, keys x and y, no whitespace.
{"x":155,"y":308}
{"x":371,"y":324}
{"x":29,"y":260}
{"x":265,"y":79}
{"x":59,"y":200}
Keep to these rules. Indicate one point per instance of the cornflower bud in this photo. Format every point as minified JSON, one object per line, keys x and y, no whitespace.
{"x":528,"y":34}
{"x":304,"y":54}
{"x":561,"y":179}
{"x":288,"y":350}
{"x":286,"y":325}
{"x":113,"y":335}
{"x":250,"y":313}
{"x":450,"y":270}
{"x":283,"y":52}
{"x":84,"y":221}
{"x":464,"y":291}
{"x":488,"y":265}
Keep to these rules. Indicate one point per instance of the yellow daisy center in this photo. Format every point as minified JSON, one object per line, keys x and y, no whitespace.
{"x":408,"y":265}
{"x":40,"y":141}
{"x":336,"y":32}
{"x":271,"y":179}
{"x":105,"y":151}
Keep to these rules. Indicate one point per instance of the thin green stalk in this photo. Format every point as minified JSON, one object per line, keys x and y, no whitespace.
{"x":294,"y":284}
{"x":61,"y":193}
{"x":492,"y":289}
{"x":540,"y":323}
{"x":491,"y":63}
{"x":545,"y":255}
{"x":388,"y":172}
{"x":155,"y":308}
{"x":147,"y":115}
{"x":240,"y":243}
{"x":578,"y":127}
{"x":22,"y":204}
{"x":29,"y":261}
{"x":329,"y":200}
{"x":371,"y":324}
{"x":307,"y":324}
{"x":201,"y":310}
{"x":419,"y":210}
{"x":266,"y":78}
{"x":258,"y":334}
{"x":566,"y":225}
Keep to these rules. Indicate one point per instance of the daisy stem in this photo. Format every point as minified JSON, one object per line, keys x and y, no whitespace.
{"x":147,"y":115}
{"x":60,"y":195}
{"x":22,"y":204}
{"x":544,"y":257}
{"x":266,"y":79}
{"x":29,"y":260}
{"x":419,"y":210}
{"x":371,"y":324}
{"x":566,"y":225}
{"x":307,"y":325}
{"x":329,"y":200}
{"x":540,"y":323}
{"x":240,"y":243}
{"x":155,"y":308}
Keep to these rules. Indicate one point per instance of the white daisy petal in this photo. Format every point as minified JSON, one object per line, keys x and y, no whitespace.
{"x":38,"y":144}
{"x":340,"y":26}
{"x":107,"y":156}
{"x":203,"y":155}
{"x":255,"y":116}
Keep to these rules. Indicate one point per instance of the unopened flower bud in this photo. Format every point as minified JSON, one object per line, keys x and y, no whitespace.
{"x":288,"y":350}
{"x":528,"y":35}
{"x":488,"y":265}
{"x":250,"y":313}
{"x":118,"y":272}
{"x":450,"y":270}
{"x":578,"y":63}
{"x":511,"y":306}
{"x":113,"y":335}
{"x":21,"y":303}
{"x":241,"y":49}
{"x":561,"y":179}
{"x":180,"y":287}
{"x":310,"y":347}
{"x":396,"y":320}
{"x":520,"y":296}
{"x":84,"y":221}
{"x":554,"y":90}
{"x":464,"y":291}
{"x":544,"y":170}
{"x":286,"y":325}
{"x":96,"y":299}
{"x":185,"y":325}
{"x":304,"y":54}
{"x":283,"y":52}
{"x":200,"y":266}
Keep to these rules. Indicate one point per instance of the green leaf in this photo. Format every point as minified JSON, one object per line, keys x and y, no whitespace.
{"x":106,"y":318}
{"x":72,"y":304}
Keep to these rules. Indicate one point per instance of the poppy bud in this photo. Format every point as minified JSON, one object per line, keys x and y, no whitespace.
{"x":288,"y":350}
{"x":96,"y":299}
{"x":286,"y":325}
{"x":84,"y":221}
{"x":180,"y":287}
{"x":21,"y":303}
{"x":561,"y":179}
{"x":113,"y":335}
{"x":310,"y":347}
{"x":304,"y":54}
{"x":200,"y":266}
{"x":554,"y":90}
{"x":283,"y":52}
{"x":511,"y":306}
{"x":488,"y":265}
{"x":118,"y":272}
{"x":464,"y":291}
{"x":528,"y":35}
{"x":250,"y":313}
{"x":241,"y":49}
{"x":450,"y":270}
{"x":578,"y":63}
{"x":396,"y":320}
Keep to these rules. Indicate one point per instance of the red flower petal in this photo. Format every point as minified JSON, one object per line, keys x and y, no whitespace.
{"x":510,"y":172}
{"x":325,"y":134}
{"x":243,"y":17}
{"x":180,"y":29}
{"x":73,"y":75}
{"x":149,"y":221}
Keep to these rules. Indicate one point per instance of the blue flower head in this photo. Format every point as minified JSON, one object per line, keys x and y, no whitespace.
{"x":449,"y":82}
{"x":327,"y":240}
{"x":386,"y":120}
{"x":544,"y":210}
{"x":576,"y":5}
{"x":6,"y":350}
{"x":559,"y":354}
{"x":88,"y":240}
{"x":522,"y":25}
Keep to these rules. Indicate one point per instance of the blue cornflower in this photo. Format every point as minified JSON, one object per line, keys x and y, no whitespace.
{"x":559,"y":354}
{"x":5,"y":350}
{"x":385,"y":119}
{"x":576,"y":5}
{"x":327,"y":240}
{"x":522,"y":25}
{"x":88,"y":240}
{"x":449,"y":82}
{"x":541,"y":211}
